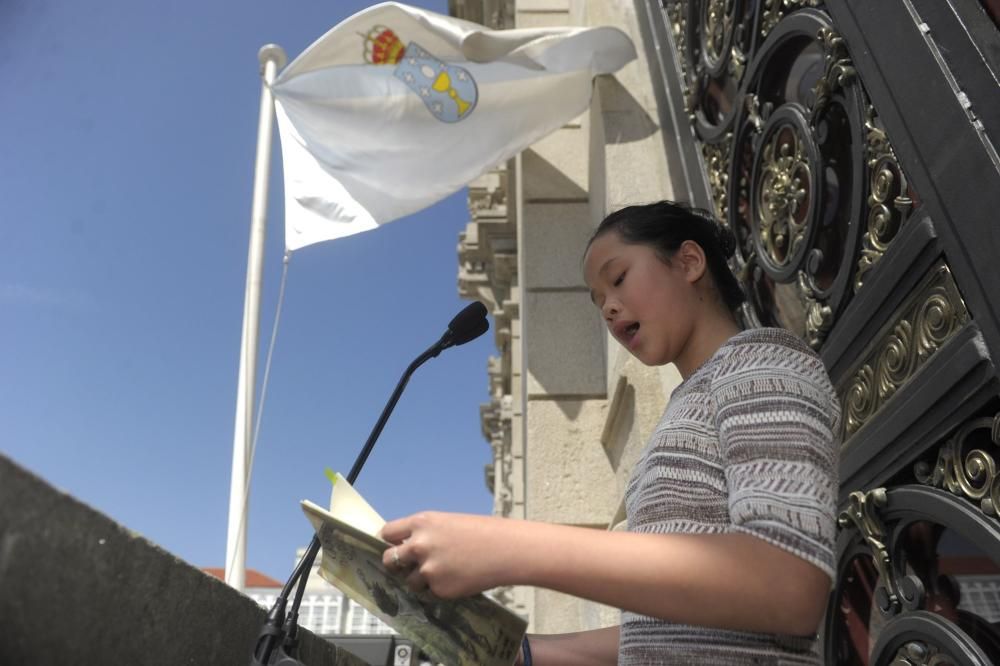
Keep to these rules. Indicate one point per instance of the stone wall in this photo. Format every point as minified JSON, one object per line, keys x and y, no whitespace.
{"x":78,"y":588}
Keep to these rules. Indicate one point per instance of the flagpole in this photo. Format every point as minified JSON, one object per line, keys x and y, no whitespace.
{"x":272,"y":58}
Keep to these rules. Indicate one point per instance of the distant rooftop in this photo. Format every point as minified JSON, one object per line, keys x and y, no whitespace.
{"x":254,"y":577}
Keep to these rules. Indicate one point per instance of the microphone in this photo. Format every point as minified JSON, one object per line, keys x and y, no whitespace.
{"x":467,"y":325}
{"x":277,"y":640}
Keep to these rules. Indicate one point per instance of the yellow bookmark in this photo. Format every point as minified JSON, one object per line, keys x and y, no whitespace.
{"x":330,"y":474}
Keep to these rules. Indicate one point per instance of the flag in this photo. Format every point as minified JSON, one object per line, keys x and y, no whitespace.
{"x":396,"y":108}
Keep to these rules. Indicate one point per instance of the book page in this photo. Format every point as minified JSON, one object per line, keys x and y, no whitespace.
{"x":473,"y":631}
{"x":347,"y":505}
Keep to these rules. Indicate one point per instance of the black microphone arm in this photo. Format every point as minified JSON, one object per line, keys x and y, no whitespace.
{"x":281,"y":630}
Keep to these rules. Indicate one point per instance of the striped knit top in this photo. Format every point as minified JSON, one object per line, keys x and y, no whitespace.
{"x":747,"y":444}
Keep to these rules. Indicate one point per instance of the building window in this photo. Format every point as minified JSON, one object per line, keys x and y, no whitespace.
{"x":360,"y":621}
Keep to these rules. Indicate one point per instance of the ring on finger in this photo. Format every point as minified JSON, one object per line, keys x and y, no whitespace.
{"x":395,"y":558}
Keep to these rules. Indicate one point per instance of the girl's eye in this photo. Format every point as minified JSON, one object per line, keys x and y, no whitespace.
{"x":619,"y":279}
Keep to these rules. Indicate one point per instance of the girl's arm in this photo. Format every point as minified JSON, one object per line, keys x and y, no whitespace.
{"x":777,"y":417}
{"x":728,"y":581}
{"x":598,"y":647}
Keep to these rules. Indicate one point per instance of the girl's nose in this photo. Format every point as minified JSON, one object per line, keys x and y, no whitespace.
{"x":611,"y":309}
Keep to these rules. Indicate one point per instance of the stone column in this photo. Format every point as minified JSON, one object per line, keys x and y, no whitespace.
{"x":569,"y":410}
{"x":568,"y":478}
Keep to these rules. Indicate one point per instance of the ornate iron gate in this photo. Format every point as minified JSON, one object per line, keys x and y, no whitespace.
{"x":852,"y":147}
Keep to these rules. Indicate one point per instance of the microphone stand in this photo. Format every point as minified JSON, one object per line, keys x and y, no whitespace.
{"x":278,"y":626}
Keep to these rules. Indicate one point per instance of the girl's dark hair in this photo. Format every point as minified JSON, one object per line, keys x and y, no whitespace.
{"x":665,"y":225}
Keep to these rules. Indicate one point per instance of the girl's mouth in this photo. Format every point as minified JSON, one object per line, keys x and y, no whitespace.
{"x":630,"y":332}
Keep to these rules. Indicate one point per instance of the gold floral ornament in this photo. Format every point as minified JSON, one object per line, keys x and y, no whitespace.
{"x":782,"y":195}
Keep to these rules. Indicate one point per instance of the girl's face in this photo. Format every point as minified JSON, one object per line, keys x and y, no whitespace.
{"x":649,"y":306}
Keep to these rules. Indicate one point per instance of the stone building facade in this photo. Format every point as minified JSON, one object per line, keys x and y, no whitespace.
{"x":569,"y":408}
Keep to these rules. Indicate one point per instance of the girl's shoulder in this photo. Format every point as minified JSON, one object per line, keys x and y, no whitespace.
{"x":757,"y":350}
{"x":768,"y":337}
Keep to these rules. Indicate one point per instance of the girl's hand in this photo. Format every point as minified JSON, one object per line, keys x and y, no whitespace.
{"x":453,"y":555}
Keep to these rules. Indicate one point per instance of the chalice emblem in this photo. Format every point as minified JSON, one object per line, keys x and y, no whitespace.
{"x":448,"y":91}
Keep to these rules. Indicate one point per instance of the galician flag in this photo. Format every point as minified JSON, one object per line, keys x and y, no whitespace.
{"x":397,"y":107}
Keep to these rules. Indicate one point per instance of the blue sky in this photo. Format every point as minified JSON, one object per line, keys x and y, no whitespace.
{"x":126,"y":161}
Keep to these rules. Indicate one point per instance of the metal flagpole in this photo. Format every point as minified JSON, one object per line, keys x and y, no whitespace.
{"x":272,"y":58}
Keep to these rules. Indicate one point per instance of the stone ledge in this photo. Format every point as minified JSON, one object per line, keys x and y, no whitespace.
{"x":78,"y":588}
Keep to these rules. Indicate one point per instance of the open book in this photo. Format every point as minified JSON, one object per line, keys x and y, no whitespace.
{"x":474,"y":631}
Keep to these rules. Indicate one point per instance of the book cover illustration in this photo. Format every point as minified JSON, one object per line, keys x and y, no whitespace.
{"x":474,"y":631}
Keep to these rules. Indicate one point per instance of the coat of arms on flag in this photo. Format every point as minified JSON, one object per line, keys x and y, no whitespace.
{"x":357,"y":145}
{"x":448,"y":91}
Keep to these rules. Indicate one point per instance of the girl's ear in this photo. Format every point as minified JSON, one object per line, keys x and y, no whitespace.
{"x":691,"y":257}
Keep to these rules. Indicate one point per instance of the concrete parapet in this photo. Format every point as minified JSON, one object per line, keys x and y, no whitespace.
{"x":78,"y":588}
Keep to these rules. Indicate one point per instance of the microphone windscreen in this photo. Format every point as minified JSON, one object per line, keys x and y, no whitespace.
{"x":469,"y":324}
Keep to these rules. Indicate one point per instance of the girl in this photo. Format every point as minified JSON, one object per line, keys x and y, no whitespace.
{"x":731,"y":507}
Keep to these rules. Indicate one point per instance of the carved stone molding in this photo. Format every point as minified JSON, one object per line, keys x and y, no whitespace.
{"x":487,"y":255}
{"x":931,"y":315}
{"x":487,"y":249}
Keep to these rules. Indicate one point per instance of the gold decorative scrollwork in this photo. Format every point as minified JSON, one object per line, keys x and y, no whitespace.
{"x":819,"y":316}
{"x":717,"y":164}
{"x":775,"y":10}
{"x":782,"y":189}
{"x":737,"y":63}
{"x":838,"y":72}
{"x":973,"y":474}
{"x":931,"y":315}
{"x":919,"y":653}
{"x":894,"y":362}
{"x":888,"y":202}
{"x":718,"y":23}
{"x":677,"y":14}
{"x":755,"y":115}
{"x":862,"y":514}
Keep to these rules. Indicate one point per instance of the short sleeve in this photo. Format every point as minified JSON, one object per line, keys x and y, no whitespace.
{"x":778,"y":422}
